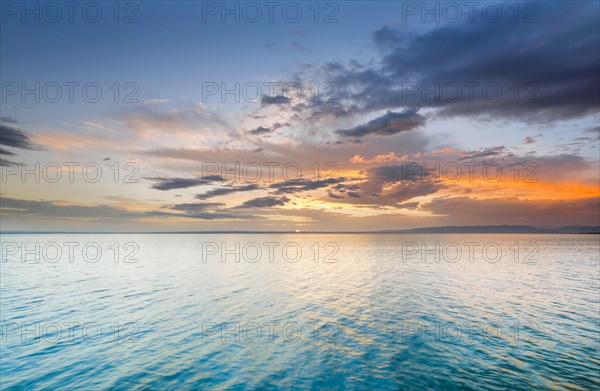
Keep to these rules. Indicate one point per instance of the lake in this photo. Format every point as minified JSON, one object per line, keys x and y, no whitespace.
{"x":303,"y":311}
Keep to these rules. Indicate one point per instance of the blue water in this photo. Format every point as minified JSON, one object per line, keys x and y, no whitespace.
{"x":379,"y":314}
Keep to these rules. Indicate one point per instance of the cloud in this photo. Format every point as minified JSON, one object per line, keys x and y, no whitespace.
{"x":383,"y":158}
{"x":261,"y":130}
{"x":153,"y":122}
{"x":388,"y":124}
{"x":8,"y":120}
{"x":334,"y":196}
{"x":561,"y":59}
{"x":494,"y":151}
{"x":542,"y":71}
{"x":4,"y":162}
{"x":6,"y":152}
{"x":16,"y":138}
{"x":303,"y":152}
{"x":52,"y":209}
{"x":263,"y":202}
{"x":409,"y":171}
{"x":585,"y":211}
{"x":408,"y":205}
{"x":182,"y":183}
{"x":196,"y":207}
{"x":13,"y":137}
{"x":528,"y":140}
{"x":58,"y":210}
{"x":274,"y":100}
{"x":226,"y":190}
{"x":388,"y":186}
{"x":202,"y":211}
{"x":405,"y":191}
{"x":299,"y":47}
{"x":293,"y":186}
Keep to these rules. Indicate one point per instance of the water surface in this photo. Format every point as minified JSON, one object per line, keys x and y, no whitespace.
{"x":375,"y":312}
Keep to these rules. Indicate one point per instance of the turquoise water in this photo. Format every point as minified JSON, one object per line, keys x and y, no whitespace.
{"x":375,"y":312}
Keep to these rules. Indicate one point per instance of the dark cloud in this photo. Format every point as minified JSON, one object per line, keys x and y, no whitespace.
{"x":274,"y":100}
{"x":373,"y":194}
{"x":54,"y":209}
{"x":16,"y":138}
{"x":6,"y":152}
{"x":196,"y":207}
{"x":51,"y":209}
{"x":559,"y":56}
{"x":386,"y":37}
{"x":263,"y":202}
{"x":349,"y":189}
{"x":8,"y":120}
{"x":201,"y":211}
{"x":405,"y":191}
{"x":388,"y":124}
{"x":388,"y":186}
{"x":293,"y":186}
{"x":494,"y":151}
{"x":226,"y":190}
{"x":183,"y":183}
{"x":404,"y":172}
{"x":543,"y":71}
{"x":408,"y":205}
{"x":346,"y":187}
{"x":13,"y":137}
{"x":4,"y":162}
{"x":261,"y":130}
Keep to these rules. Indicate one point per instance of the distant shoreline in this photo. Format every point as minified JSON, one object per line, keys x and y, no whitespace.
{"x":500,"y":229}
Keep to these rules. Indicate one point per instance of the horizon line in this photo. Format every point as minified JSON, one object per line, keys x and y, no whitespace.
{"x":468,"y":229}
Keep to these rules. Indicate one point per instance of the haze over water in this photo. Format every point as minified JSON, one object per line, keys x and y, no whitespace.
{"x":378,"y":318}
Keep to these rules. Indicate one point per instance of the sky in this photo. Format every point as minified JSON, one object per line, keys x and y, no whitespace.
{"x":343,"y":116}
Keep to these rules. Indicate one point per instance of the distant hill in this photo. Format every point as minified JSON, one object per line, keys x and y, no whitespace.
{"x":500,"y":229}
